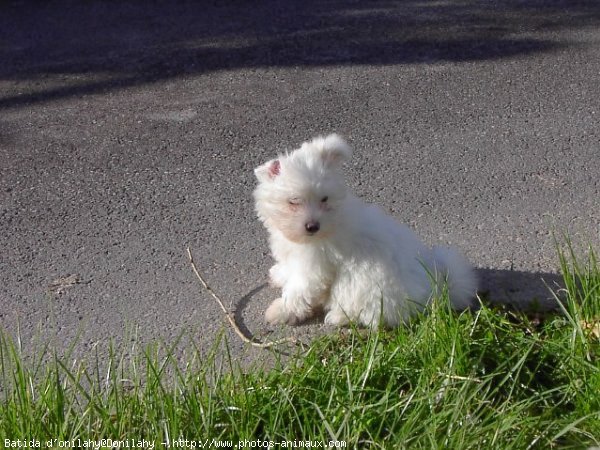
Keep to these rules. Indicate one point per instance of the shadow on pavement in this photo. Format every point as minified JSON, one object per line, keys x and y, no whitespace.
{"x":526,"y":291}
{"x":519,"y":290}
{"x":76,"y":48}
{"x":242,"y":304}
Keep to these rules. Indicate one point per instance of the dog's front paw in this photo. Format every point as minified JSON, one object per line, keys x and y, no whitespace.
{"x":337,"y":317}
{"x":277,"y":314}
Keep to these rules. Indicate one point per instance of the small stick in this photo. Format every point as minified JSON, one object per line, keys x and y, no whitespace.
{"x":231,"y":317}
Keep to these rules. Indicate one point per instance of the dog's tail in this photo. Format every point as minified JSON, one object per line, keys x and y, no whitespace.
{"x":453,"y":269}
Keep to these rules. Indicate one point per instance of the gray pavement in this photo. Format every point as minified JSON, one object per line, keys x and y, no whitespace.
{"x":129,"y":131}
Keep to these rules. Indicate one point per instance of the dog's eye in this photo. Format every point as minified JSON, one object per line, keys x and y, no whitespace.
{"x":324,"y":199}
{"x":294,"y":201}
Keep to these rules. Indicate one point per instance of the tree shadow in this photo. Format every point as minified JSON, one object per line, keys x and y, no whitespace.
{"x":77,"y":48}
{"x":5,"y":136}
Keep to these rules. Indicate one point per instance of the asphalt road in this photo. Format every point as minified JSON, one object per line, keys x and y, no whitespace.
{"x":129,"y":131}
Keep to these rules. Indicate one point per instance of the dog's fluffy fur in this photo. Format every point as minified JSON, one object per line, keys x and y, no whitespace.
{"x":336,"y":254}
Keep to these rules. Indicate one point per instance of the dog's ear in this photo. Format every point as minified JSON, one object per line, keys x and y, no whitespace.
{"x":268,"y":171}
{"x":333,"y":149}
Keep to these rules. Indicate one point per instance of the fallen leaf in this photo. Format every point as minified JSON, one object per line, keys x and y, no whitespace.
{"x":592,"y":327}
{"x":59,"y":285}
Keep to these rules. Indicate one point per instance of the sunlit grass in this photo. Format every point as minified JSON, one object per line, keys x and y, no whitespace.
{"x":483,"y":379}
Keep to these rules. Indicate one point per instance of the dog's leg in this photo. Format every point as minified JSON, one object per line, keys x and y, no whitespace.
{"x":301,"y":296}
{"x":277,"y":277}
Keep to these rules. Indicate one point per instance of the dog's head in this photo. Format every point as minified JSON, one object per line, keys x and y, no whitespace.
{"x":300,"y":193}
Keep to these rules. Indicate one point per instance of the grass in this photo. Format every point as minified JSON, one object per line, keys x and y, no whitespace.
{"x":488,"y":379}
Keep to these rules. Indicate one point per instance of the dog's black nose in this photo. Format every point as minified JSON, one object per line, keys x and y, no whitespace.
{"x":312,"y":227}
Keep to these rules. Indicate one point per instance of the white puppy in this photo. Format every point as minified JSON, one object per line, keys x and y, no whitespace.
{"x":336,"y":254}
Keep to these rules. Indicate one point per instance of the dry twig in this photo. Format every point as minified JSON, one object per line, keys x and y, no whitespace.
{"x":231,"y":318}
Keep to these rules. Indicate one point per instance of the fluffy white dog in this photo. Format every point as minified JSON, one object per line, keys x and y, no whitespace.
{"x":336,"y":254}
